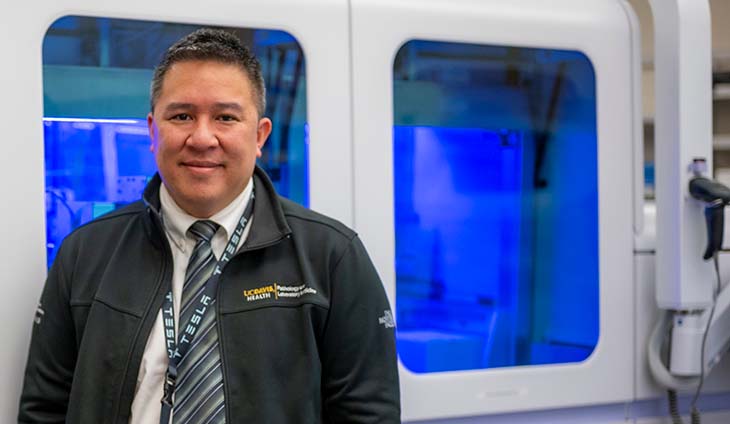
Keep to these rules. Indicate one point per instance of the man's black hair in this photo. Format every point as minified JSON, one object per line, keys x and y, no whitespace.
{"x":216,"y":45}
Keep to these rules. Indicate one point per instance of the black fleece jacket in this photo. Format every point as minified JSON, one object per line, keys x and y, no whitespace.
{"x":326,"y":355}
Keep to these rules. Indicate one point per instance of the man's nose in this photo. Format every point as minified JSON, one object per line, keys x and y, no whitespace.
{"x":203,"y":135}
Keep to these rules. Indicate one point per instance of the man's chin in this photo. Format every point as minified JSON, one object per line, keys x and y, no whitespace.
{"x":201,"y":204}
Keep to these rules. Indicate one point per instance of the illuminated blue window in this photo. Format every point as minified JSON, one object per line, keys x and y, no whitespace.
{"x":96,"y":78}
{"x":496,"y":206}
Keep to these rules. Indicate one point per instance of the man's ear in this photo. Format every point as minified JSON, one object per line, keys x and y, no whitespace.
{"x":151,"y":129}
{"x":262,"y":134}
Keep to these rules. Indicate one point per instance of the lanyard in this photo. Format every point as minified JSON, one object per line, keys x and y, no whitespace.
{"x":176,"y":351}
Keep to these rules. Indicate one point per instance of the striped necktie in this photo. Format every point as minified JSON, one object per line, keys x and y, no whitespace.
{"x":199,"y":390}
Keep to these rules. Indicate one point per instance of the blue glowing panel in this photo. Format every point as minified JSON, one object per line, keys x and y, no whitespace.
{"x":96,"y":75}
{"x":93,"y":166}
{"x":496,"y":207}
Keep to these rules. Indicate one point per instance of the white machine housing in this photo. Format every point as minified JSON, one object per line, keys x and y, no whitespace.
{"x":683,"y":63}
{"x":602,"y":30}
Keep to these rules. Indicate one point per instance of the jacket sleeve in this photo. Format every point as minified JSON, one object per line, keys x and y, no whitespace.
{"x":359,"y":362}
{"x":52,"y":357}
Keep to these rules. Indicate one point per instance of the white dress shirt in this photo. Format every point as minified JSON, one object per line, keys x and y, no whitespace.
{"x":147,"y":395}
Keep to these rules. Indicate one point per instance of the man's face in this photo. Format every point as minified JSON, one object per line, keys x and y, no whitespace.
{"x":206,"y":134}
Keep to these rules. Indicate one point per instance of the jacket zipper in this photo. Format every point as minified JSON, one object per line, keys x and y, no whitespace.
{"x":219,"y":329}
{"x":167,"y":259}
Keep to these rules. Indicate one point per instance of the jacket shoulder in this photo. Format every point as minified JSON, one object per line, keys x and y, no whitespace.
{"x":298,"y":215}
{"x":109,"y":222}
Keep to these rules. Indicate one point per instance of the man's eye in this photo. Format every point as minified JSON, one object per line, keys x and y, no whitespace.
{"x":227,"y":118}
{"x":181,"y":117}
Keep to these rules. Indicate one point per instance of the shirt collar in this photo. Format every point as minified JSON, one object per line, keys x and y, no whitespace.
{"x":177,"y":221}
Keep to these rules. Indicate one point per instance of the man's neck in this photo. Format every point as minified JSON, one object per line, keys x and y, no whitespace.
{"x":178,"y":220}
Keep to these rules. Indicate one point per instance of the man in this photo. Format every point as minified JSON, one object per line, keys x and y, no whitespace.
{"x":212,"y":299}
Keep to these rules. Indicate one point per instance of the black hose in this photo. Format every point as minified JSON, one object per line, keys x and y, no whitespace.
{"x":674,"y":407}
{"x":695,"y":416}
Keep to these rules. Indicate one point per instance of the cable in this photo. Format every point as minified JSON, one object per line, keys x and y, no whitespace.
{"x":674,"y":407}
{"x":662,"y":332}
{"x":693,"y":406}
{"x":672,"y":401}
{"x":695,"y":416}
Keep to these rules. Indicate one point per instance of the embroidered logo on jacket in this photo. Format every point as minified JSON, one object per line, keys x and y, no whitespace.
{"x":39,"y":312}
{"x":387,"y":320}
{"x":276,"y":291}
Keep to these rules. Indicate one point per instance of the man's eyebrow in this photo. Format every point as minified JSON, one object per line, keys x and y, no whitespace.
{"x":228,"y":106}
{"x":179,"y":106}
{"x":219,"y":106}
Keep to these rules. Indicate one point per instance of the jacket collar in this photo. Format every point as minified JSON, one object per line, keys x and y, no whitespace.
{"x":269,"y":223}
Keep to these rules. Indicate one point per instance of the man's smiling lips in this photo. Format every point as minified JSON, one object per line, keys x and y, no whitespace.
{"x":201,"y":166}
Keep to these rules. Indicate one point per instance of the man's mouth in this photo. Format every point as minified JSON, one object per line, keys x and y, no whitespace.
{"x":201,"y":165}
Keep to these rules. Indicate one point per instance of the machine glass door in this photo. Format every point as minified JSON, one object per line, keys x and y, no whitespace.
{"x":96,"y":88}
{"x":496,"y":206}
